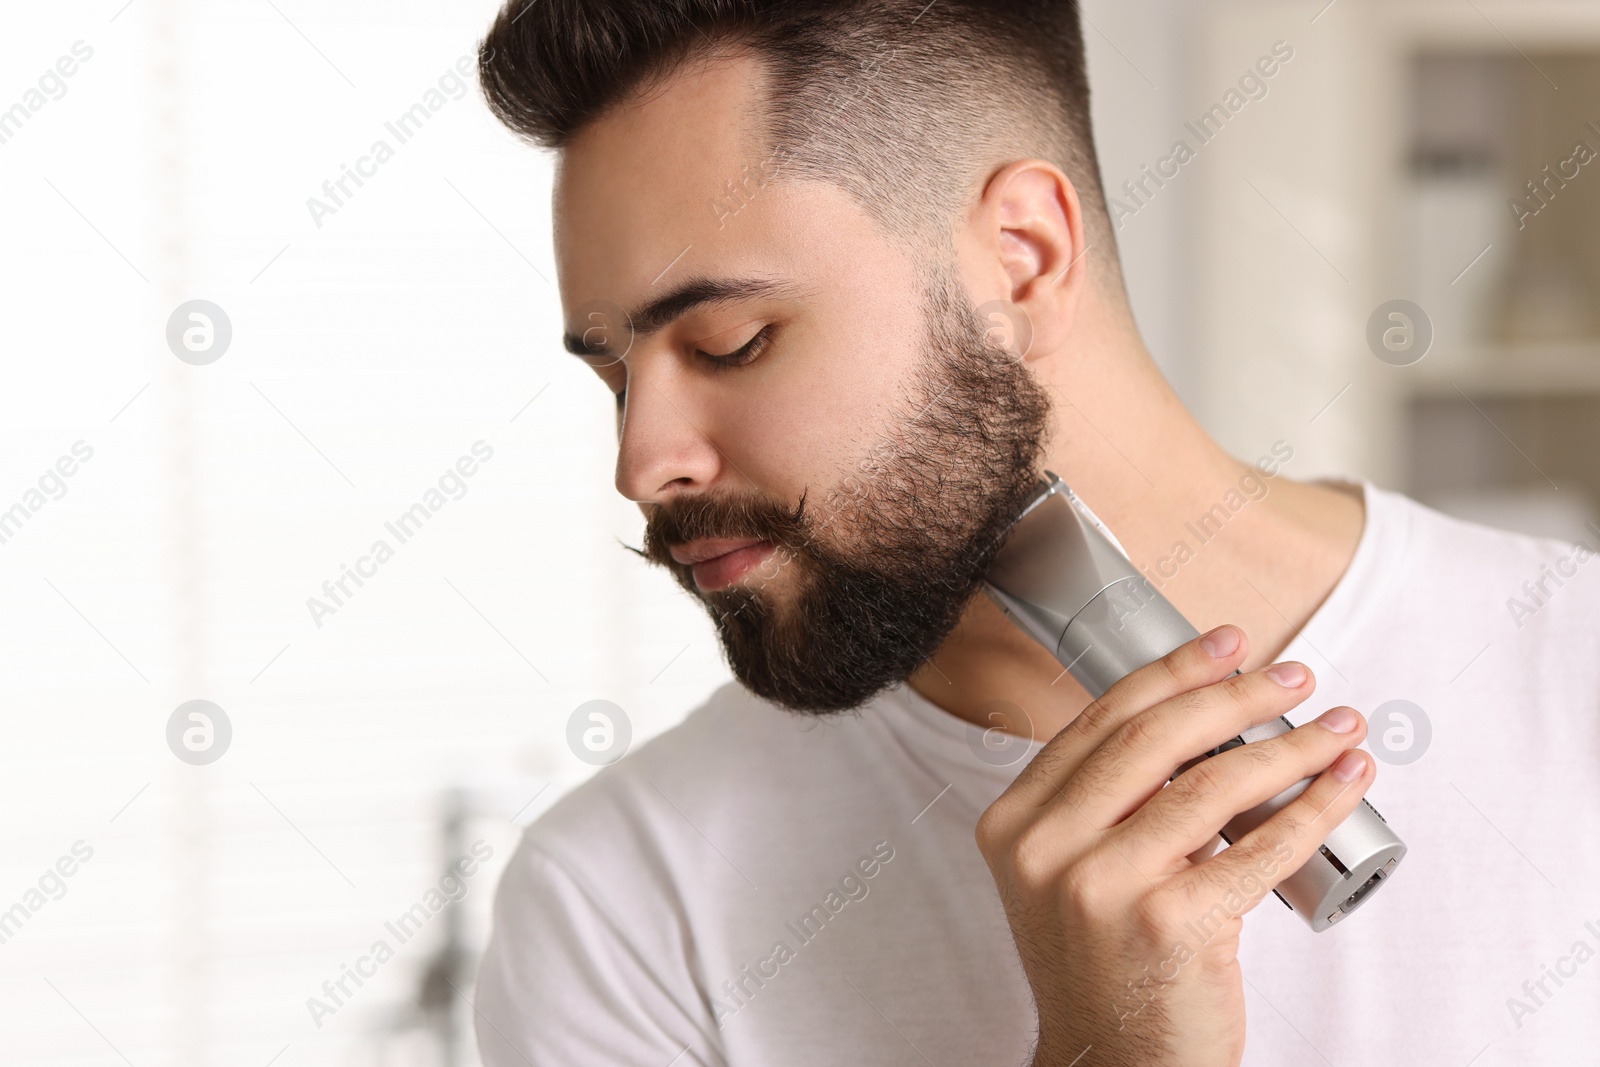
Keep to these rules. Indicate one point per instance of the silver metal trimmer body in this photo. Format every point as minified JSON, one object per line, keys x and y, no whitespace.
{"x":1062,"y":577}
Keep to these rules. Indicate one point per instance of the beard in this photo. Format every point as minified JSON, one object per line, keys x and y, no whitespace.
{"x":886,"y":563}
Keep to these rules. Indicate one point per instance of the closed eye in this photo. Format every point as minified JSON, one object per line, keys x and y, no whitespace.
{"x":739,"y":357}
{"x":745,"y":353}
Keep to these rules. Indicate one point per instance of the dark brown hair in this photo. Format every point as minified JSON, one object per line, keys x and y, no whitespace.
{"x":905,"y":104}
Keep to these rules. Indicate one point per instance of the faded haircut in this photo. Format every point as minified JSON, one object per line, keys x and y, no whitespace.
{"x":904,"y":104}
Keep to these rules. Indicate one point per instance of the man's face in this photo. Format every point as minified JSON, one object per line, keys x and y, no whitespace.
{"x":825,"y":448}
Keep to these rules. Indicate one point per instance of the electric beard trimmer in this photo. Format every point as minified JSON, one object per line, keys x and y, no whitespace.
{"x":1062,"y":577}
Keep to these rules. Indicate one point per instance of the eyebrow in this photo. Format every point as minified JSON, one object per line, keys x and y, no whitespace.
{"x":679,"y":301}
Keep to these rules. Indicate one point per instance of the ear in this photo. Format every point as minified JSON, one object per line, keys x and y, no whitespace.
{"x":1023,"y":256}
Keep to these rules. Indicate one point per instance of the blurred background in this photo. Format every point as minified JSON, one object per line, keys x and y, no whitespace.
{"x":184,"y":486}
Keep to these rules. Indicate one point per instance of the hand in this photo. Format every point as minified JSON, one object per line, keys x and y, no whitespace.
{"x":1126,"y":924}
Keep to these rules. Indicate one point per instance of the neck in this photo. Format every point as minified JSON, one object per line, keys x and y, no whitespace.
{"x":1222,"y":540}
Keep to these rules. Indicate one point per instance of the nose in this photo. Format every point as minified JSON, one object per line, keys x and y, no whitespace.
{"x":663,"y":447}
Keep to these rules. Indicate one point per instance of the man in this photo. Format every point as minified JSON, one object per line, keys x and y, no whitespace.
{"x":906,"y":836}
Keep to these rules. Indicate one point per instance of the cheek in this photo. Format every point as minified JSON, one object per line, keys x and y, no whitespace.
{"x":813,"y":415}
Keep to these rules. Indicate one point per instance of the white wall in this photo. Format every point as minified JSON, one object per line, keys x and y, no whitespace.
{"x":368,"y":354}
{"x":1141,"y":77}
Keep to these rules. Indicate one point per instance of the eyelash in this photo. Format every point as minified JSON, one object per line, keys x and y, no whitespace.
{"x":739,"y":357}
{"x":745,"y":353}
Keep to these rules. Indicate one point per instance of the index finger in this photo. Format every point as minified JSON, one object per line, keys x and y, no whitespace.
{"x":1207,"y":659}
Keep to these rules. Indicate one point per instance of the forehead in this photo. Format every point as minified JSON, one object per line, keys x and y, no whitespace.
{"x":649,"y":179}
{"x":677,"y":183}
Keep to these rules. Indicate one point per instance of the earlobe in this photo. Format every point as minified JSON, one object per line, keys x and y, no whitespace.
{"x":1006,"y":327}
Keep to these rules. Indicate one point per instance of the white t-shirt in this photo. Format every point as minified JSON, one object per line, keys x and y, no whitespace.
{"x":757,"y":888}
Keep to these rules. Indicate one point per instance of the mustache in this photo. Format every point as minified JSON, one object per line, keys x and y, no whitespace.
{"x":691,"y":518}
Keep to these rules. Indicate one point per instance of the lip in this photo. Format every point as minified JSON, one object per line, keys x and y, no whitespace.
{"x":719,"y":563}
{"x":707,"y":548}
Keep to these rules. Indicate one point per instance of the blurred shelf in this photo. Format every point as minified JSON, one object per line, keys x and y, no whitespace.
{"x":1518,"y":370}
{"x":1533,"y":24}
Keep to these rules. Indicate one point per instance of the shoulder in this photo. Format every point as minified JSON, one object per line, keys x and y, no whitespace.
{"x":734,"y":746}
{"x":1453,"y":575}
{"x":1444,"y":548}
{"x":718,"y":787}
{"x":617,"y":891}
{"x":600,"y":901}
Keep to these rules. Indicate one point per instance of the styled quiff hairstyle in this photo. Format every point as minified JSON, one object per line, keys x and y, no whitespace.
{"x":907,"y":105}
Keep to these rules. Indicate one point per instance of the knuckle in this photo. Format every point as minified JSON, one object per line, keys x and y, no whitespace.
{"x":991,"y":831}
{"x":1251,"y":699}
{"x":1207,"y":778}
{"x":1031,"y":860}
{"x":1086,"y":885}
{"x":1311,"y":816}
{"x":1159,"y":914}
{"x":1328,"y":801}
{"x":1141,"y":732}
{"x":1315,"y":739}
{"x":1241,"y":690}
{"x":1182,"y":668}
{"x":1098,"y":715}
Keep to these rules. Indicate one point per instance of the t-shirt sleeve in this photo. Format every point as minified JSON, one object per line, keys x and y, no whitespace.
{"x":564,"y":981}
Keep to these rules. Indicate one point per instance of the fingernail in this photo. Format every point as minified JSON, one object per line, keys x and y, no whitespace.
{"x":1221,"y":642}
{"x":1339,"y":720}
{"x":1288,"y":675}
{"x":1351,"y":765}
